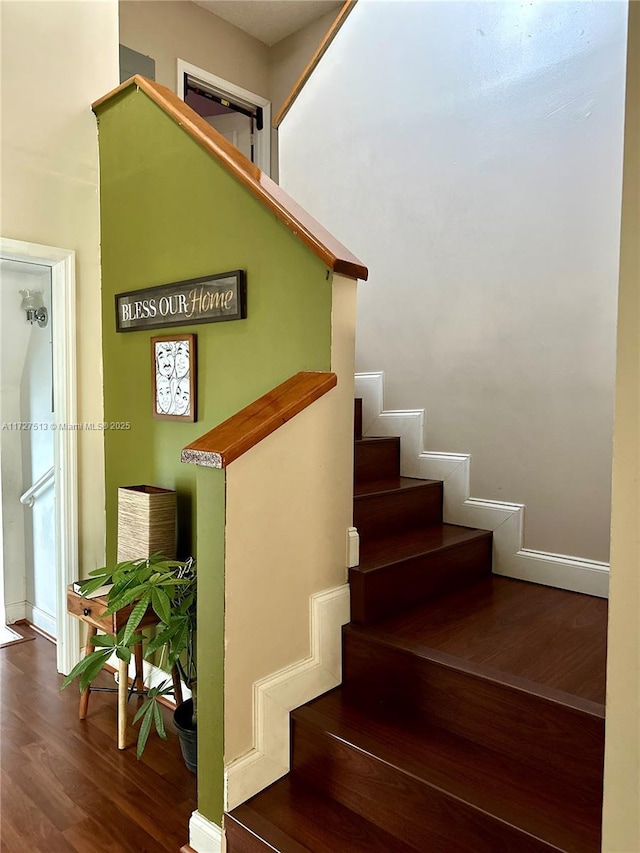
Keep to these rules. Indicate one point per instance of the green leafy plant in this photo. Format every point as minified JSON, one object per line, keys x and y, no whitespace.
{"x":169,"y":588}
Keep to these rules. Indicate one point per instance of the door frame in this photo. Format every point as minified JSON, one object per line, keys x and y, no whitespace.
{"x":62,"y":264}
{"x":262,"y":137}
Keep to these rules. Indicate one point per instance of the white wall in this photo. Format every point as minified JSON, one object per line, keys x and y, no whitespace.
{"x":470,"y":153}
{"x":58,"y":57}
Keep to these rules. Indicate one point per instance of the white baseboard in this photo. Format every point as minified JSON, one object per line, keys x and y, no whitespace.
{"x":15,"y":612}
{"x":22,"y":610}
{"x":204,"y":836}
{"x":276,"y":696}
{"x":41,"y":619}
{"x":506,"y":520}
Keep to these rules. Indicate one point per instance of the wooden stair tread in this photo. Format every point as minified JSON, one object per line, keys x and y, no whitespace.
{"x":510,"y":626}
{"x":376,"y":441}
{"x":471,"y":718}
{"x":293,"y":816}
{"x":397,"y":484}
{"x":394,"y":548}
{"x":493,"y":784}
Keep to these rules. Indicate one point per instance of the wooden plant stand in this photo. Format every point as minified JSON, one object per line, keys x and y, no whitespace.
{"x":91,"y":611}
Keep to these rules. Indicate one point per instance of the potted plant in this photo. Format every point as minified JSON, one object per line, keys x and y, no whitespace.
{"x":169,"y":588}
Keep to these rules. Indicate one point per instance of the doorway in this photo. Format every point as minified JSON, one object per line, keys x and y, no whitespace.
{"x":239,"y":115}
{"x":26,"y":445}
{"x":38,"y":441}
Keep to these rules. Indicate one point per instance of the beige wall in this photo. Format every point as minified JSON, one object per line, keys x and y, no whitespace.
{"x":56,"y":59}
{"x":622,"y":753}
{"x":289,"y":504}
{"x":169,"y":30}
{"x":289,"y":57}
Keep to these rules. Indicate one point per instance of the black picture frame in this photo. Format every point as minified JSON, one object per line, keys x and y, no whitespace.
{"x":208,"y":299}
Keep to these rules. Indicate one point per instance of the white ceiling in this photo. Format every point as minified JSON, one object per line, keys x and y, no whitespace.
{"x":269,"y":20}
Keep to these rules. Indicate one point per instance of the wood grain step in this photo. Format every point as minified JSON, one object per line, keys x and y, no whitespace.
{"x":553,"y":731}
{"x":292,"y":816}
{"x":511,"y":625}
{"x":400,"y":572}
{"x":471,"y":715}
{"x":376,"y":459}
{"x":436,"y":791}
{"x":398,"y":505}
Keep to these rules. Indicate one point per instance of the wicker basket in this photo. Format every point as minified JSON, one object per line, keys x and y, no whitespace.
{"x":146,"y":522}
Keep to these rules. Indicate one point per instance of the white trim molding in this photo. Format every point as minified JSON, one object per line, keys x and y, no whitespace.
{"x":224,"y":87}
{"x":277,"y":695}
{"x":506,"y":520}
{"x":41,"y":619}
{"x":15,"y":612}
{"x":204,"y":836}
{"x":62,"y":263}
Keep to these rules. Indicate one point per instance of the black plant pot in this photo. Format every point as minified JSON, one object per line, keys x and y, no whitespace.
{"x":187,"y":733}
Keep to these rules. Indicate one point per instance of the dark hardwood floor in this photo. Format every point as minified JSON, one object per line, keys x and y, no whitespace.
{"x":64,"y":785}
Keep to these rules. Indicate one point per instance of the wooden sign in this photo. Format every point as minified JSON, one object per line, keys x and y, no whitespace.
{"x":211,"y":299}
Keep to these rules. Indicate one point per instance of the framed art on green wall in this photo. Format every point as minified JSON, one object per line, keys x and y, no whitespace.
{"x":173,"y":377}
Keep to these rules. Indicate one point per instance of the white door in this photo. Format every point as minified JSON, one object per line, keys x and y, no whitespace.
{"x":235,"y":127}
{"x":191,"y":76}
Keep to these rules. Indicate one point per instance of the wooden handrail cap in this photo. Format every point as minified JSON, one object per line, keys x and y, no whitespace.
{"x":338,"y":258}
{"x":310,"y":67}
{"x":242,"y":431}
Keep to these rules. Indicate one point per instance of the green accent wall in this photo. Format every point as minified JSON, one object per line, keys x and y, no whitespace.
{"x":210,"y":520}
{"x":170,"y":212}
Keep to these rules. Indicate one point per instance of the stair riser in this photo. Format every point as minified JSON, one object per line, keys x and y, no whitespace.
{"x":390,"y":590}
{"x":293,"y":817}
{"x":376,"y":460}
{"x":397,"y":802}
{"x":556,"y":739}
{"x":357,"y":419}
{"x":241,"y":840}
{"x":398,"y":510}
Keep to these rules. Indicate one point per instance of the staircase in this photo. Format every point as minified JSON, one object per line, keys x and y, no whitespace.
{"x":471,"y":714}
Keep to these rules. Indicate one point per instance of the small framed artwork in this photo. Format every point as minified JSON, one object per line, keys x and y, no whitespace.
{"x":173,"y":377}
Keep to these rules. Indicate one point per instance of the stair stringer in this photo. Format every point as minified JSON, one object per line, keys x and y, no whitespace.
{"x":506,"y":520}
{"x":275,"y":696}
